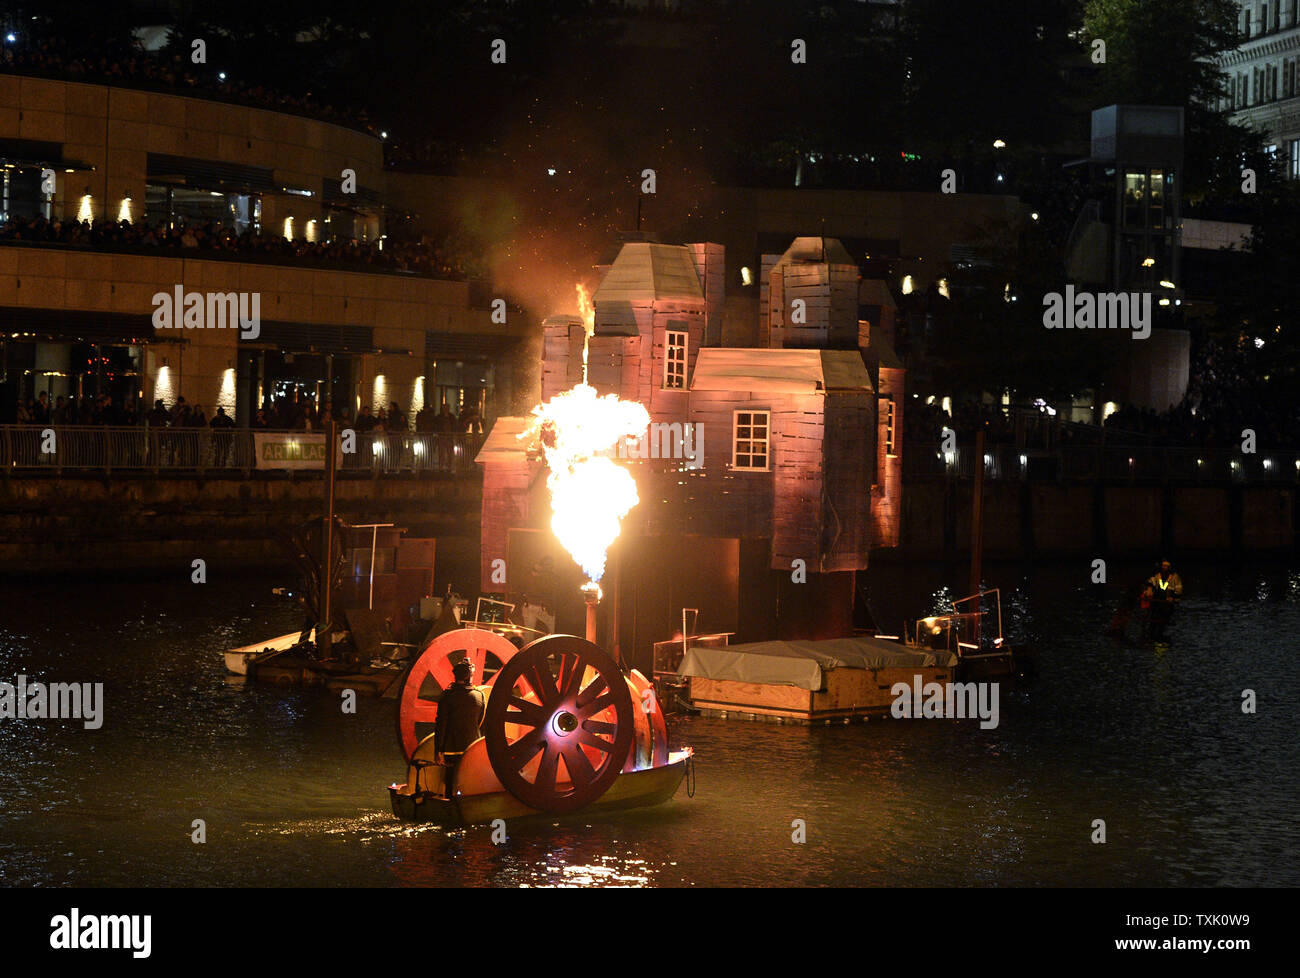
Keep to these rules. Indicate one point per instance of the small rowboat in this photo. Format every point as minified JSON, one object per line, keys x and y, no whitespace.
{"x":635,"y":789}
{"x":564,"y":729}
{"x":237,"y":660}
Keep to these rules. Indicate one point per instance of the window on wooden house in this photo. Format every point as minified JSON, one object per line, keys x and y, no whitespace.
{"x":891,"y":427}
{"x":751,"y":441}
{"x":675,"y":359}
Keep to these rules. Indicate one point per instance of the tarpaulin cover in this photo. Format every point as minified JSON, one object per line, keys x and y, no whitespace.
{"x":802,"y":663}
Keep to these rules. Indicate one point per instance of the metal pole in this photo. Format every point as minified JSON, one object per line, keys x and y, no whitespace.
{"x":324,"y":628}
{"x":977,"y":515}
{"x":374,"y":540}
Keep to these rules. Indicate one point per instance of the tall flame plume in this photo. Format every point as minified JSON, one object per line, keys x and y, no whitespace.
{"x":590,"y":492}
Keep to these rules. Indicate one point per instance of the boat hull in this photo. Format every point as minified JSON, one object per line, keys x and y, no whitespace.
{"x":633,"y":789}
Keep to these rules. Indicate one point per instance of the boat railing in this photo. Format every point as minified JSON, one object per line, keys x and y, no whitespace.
{"x":965,"y":633}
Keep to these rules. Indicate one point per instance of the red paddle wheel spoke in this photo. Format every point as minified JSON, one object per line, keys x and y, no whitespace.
{"x":416,"y":714}
{"x":568,"y":722}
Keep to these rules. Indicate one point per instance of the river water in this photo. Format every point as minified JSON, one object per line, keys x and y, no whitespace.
{"x":1150,"y":739}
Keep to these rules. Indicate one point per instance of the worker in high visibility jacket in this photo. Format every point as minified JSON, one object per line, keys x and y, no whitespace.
{"x":1163,"y":591}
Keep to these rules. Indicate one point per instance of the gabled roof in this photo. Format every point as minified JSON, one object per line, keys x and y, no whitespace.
{"x":645,"y":272}
{"x":817,"y":249}
{"x":779,"y":371}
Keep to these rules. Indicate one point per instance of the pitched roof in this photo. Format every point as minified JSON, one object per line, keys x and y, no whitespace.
{"x":817,"y":249}
{"x":646,"y":272}
{"x":779,"y":371}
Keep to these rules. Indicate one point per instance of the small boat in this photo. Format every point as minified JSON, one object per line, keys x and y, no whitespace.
{"x":634,"y":789}
{"x":238,"y":660}
{"x":564,"y":730}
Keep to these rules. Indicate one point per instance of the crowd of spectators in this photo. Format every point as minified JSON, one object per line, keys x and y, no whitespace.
{"x":127,"y":63}
{"x":924,"y":423}
{"x":423,"y":257}
{"x":281,"y":414}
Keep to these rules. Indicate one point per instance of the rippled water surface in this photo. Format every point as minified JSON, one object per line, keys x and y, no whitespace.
{"x":1151,"y":739}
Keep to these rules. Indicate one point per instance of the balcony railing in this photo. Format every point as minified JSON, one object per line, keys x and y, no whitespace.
{"x":54,"y":449}
{"x":1116,"y":464}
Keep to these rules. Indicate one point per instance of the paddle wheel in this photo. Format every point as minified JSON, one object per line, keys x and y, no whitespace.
{"x":564,"y":728}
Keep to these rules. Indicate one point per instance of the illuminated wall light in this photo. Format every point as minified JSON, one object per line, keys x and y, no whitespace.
{"x":1148,"y":262}
{"x":1107,"y":409}
{"x":311,"y":230}
{"x":85,"y":212}
{"x":946,"y":404}
{"x":163,"y":387}
{"x":746,"y":276}
{"x":907,"y":285}
{"x":379,"y":393}
{"x":417,"y":397}
{"x":124,"y":210}
{"x":288,"y":228}
{"x":943,"y":288}
{"x":226,"y":397}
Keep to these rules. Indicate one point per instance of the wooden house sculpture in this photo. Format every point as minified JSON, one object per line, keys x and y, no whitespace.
{"x":769,"y":472}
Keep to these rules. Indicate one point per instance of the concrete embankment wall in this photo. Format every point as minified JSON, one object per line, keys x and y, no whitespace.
{"x":97,"y":525}
{"x":1023,"y":519}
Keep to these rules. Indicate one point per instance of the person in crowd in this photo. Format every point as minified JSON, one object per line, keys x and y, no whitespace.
{"x":158,"y":416}
{"x":396,"y":419}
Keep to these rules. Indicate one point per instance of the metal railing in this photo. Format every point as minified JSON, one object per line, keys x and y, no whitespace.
{"x":53,"y":449}
{"x":1134,"y":464}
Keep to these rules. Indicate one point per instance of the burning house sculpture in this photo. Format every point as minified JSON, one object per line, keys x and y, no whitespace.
{"x":763,"y":475}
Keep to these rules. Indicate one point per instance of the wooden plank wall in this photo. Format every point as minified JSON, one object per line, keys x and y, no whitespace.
{"x":799,"y":467}
{"x":506,"y":504}
{"x":850,"y":451}
{"x":710,"y":265}
{"x":670,"y":405}
{"x":830,"y":296}
{"x":887,"y":495}
{"x":561,"y":358}
{"x":764,"y":297}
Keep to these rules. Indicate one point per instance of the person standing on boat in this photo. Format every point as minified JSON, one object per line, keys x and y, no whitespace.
{"x":460,"y":713}
{"x":1164,"y":590}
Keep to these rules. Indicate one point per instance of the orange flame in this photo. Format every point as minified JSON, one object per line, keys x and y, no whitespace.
{"x":590,"y":492}
{"x":588,"y":310}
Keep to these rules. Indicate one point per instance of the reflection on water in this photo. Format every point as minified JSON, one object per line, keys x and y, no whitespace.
{"x":292,"y":791}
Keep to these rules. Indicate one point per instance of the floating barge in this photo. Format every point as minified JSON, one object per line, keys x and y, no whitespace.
{"x":807,"y":682}
{"x":844,"y":678}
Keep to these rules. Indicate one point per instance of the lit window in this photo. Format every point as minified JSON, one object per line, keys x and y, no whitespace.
{"x":750,"y":446}
{"x":675,"y":359}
